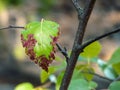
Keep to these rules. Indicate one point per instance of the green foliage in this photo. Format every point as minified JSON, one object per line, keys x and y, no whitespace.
{"x":82,"y":84}
{"x":92,"y":50}
{"x":85,"y":71}
{"x":46,"y":6}
{"x":45,"y":75}
{"x":12,"y":2}
{"x":115,"y":86}
{"x":45,"y":34}
{"x":115,"y":57}
{"x":24,"y":86}
{"x":110,"y":72}
{"x":59,"y":80}
{"x":116,"y":67}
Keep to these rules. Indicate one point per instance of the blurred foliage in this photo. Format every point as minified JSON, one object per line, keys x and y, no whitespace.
{"x":92,"y":50}
{"x":24,"y":86}
{"x":11,"y":2}
{"x":114,"y":86}
{"x":45,"y":6}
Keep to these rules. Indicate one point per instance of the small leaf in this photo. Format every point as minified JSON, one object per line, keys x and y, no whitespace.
{"x":59,"y":80}
{"x":84,"y":70}
{"x":45,"y":75}
{"x":116,"y":67}
{"x":24,"y":86}
{"x":110,"y":72}
{"x":102,"y":64}
{"x":92,"y":85}
{"x":39,"y":39}
{"x":92,"y":50}
{"x":115,"y":86}
{"x":82,"y":84}
{"x":115,"y":57}
{"x":79,"y":84}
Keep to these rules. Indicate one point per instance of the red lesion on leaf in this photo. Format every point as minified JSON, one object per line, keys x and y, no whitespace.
{"x":42,"y":60}
{"x":29,"y":45}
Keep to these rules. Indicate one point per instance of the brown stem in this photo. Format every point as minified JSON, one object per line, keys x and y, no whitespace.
{"x":78,"y":41}
{"x":11,"y":26}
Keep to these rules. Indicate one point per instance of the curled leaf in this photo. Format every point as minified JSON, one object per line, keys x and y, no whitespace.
{"x":39,"y":39}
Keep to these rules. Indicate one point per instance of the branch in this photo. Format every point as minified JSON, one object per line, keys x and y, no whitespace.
{"x":63,"y":51}
{"x":78,"y":8}
{"x":98,"y":38}
{"x":78,"y":41}
{"x":11,"y":26}
{"x":95,"y":74}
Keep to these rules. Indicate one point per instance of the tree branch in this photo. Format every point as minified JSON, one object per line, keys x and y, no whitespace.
{"x":63,"y":51}
{"x":78,"y":41}
{"x":78,"y":8}
{"x":95,"y":74}
{"x":98,"y":38}
{"x":11,"y":26}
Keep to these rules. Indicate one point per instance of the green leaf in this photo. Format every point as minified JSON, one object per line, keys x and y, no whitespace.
{"x":115,"y":86}
{"x":116,"y":67}
{"x":39,"y":39}
{"x":59,"y":80}
{"x":110,"y":72}
{"x":24,"y":86}
{"x":45,"y":75}
{"x":115,"y":57}
{"x":84,"y":70}
{"x":79,"y":84}
{"x":82,"y":84}
{"x":92,"y":50}
{"x":92,"y":85}
{"x":102,"y":64}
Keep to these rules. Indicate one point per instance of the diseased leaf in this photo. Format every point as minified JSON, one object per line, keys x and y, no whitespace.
{"x":39,"y":39}
{"x":92,"y":50}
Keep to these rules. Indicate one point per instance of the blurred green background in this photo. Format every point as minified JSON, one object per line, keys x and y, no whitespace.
{"x":15,"y":66}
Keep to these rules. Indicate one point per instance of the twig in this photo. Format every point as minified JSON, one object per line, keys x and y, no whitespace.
{"x":98,"y":38}
{"x":11,"y":26}
{"x":63,"y":51}
{"x":78,"y":41}
{"x":97,"y":75}
{"x":78,"y":8}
